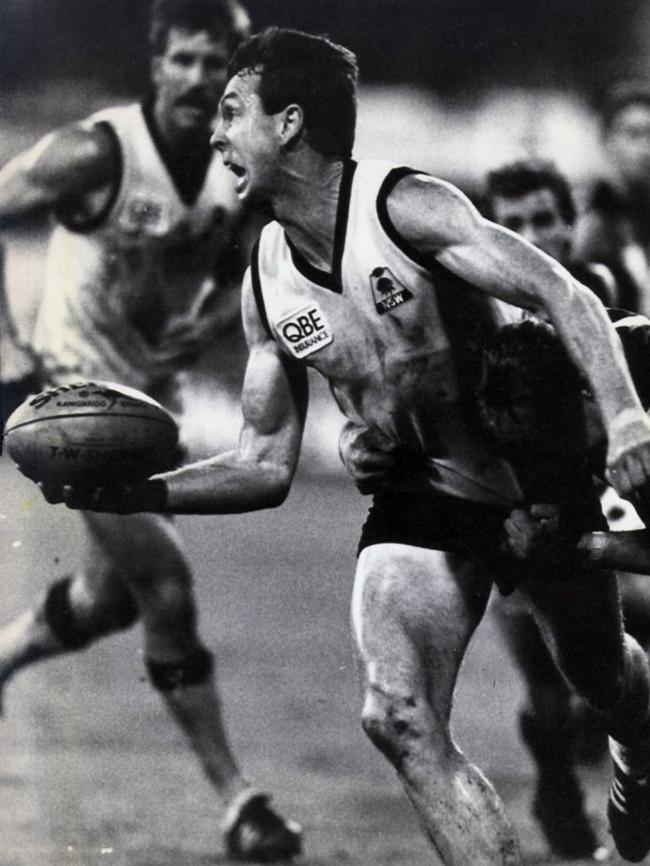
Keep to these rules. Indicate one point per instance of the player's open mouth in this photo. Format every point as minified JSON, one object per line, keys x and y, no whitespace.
{"x":240,"y":174}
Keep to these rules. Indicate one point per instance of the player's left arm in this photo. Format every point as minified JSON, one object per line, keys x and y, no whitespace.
{"x":440,"y":223}
{"x":257,"y":473}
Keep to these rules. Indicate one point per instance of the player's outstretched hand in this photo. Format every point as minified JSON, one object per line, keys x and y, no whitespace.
{"x":128,"y":499}
{"x":368,"y":460}
{"x":535,"y":535}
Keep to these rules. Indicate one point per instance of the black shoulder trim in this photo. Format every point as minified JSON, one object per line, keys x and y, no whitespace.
{"x":71,"y":215}
{"x":617,"y":315}
{"x":390,"y":182}
{"x":341,"y":225}
{"x":257,"y":288}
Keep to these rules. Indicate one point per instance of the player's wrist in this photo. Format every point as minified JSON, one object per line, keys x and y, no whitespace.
{"x":151,"y":496}
{"x":629,"y":428}
{"x":592,"y":548}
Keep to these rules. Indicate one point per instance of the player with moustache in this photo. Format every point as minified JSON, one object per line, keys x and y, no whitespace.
{"x":144,"y":271}
{"x":386,"y":281}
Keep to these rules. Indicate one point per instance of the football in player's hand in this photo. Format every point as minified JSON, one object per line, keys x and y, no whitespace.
{"x":91,"y":433}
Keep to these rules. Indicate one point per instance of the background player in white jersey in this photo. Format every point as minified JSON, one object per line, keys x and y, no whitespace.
{"x":386,"y":281}
{"x":141,"y":277}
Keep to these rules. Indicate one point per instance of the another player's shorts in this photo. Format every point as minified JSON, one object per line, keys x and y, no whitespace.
{"x":472,"y":529}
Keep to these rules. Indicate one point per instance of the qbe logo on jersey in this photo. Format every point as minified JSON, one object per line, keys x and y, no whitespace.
{"x":305,"y":331}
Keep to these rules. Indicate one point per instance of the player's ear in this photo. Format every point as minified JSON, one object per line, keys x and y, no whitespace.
{"x":292,"y":124}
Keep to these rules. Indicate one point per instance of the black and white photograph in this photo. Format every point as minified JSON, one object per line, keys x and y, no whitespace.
{"x":325,"y":456}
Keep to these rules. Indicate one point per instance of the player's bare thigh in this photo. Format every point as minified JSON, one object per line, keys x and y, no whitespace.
{"x":134,"y":547}
{"x":414,"y":611}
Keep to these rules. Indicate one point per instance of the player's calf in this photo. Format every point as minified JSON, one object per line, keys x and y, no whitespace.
{"x":54,"y":626}
{"x":558,"y":802}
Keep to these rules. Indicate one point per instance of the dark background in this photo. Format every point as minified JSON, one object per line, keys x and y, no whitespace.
{"x":458,"y":47}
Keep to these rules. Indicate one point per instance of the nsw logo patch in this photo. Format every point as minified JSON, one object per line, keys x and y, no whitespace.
{"x":387,"y":291}
{"x":305,"y":331}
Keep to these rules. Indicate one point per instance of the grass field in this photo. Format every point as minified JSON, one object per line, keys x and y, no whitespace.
{"x":93,"y":773}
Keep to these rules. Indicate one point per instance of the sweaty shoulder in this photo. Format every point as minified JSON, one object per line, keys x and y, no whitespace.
{"x":430,"y":213}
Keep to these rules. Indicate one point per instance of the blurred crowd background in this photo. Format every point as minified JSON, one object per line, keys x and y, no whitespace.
{"x":455,"y":87}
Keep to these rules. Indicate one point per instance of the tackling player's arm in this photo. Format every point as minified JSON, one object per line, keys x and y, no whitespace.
{"x":535,"y":535}
{"x":439,"y":222}
{"x":258,"y":473}
{"x":63,"y":166}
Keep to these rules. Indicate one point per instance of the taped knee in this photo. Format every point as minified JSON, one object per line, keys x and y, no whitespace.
{"x":192,"y":671}
{"x":61,"y":619}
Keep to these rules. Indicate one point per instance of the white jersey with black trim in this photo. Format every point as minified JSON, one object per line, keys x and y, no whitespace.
{"x":398,"y":339}
{"x":131,"y":295}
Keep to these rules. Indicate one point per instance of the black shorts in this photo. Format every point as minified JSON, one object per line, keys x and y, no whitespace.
{"x":472,"y":529}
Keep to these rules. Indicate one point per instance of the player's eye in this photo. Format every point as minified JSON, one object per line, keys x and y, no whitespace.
{"x":183,"y":58}
{"x":543,"y":219}
{"x":215,"y":65}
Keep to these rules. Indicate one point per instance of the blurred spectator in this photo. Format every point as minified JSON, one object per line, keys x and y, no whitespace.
{"x":532,"y":198}
{"x":615,"y":228}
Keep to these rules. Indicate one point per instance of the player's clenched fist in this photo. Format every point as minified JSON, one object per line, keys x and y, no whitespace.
{"x":628,"y":459}
{"x":367,"y":456}
{"x":534,"y":534}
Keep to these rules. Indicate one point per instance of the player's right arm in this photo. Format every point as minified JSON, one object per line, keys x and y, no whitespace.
{"x":258,"y":473}
{"x":63,"y":166}
{"x":535,"y":535}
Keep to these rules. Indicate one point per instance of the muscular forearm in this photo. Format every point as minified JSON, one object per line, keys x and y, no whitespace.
{"x":583,"y":324}
{"x":227,"y":484}
{"x":620,"y":551}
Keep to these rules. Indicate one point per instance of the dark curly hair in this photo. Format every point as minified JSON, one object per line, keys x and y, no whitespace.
{"x":530,"y":395}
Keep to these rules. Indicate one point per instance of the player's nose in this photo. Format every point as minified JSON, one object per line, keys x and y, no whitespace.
{"x":217,"y":140}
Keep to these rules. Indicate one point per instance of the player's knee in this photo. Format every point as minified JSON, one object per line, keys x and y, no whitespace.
{"x":75,"y":631}
{"x":61,"y":618}
{"x":168,"y":602}
{"x":193,"y":670}
{"x":396,"y":725}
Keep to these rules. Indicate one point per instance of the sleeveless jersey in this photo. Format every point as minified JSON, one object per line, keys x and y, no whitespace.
{"x":398,"y":338}
{"x":132,"y":295}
